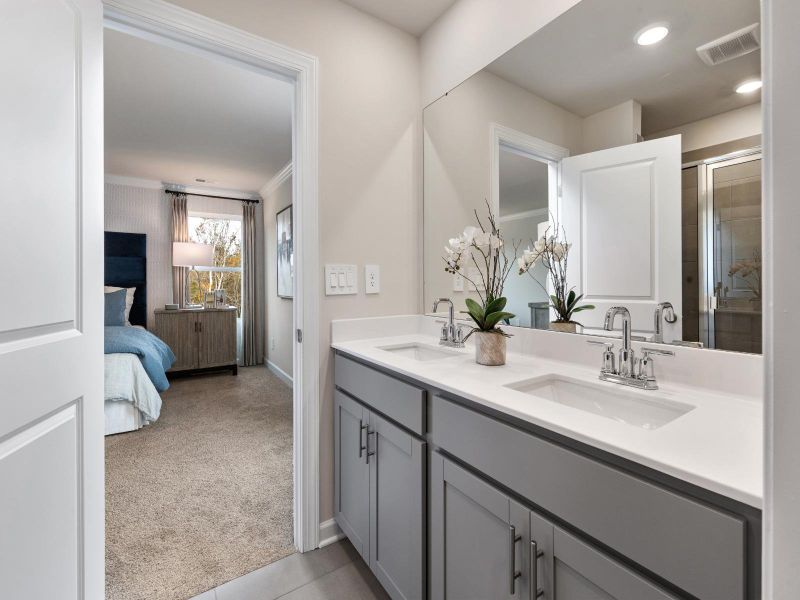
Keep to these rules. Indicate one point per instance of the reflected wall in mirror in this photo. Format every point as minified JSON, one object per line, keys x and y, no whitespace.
{"x":645,"y":157}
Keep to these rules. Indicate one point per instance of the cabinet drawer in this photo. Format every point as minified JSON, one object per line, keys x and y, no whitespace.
{"x":396,"y":399}
{"x":698,"y":548}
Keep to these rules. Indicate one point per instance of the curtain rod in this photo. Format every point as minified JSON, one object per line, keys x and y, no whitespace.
{"x":255,"y":200}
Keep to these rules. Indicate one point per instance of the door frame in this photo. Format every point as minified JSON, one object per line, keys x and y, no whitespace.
{"x":171,"y":25}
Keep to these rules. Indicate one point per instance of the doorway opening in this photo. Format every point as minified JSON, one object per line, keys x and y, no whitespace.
{"x":283,"y":396}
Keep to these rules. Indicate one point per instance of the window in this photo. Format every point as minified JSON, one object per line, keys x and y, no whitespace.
{"x":225,"y":234}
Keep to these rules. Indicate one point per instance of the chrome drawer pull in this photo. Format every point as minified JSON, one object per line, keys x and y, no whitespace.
{"x":536,"y":591}
{"x":513,"y":574}
{"x":361,"y":446}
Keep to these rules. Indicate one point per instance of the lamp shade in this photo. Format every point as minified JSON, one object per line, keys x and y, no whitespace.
{"x":191,"y":254}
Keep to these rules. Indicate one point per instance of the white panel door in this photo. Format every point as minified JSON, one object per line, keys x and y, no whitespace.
{"x":51,"y":311}
{"x":621,"y":210}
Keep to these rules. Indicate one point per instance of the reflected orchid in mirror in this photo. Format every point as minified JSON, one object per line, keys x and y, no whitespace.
{"x":553,"y":254}
{"x":749,"y":271}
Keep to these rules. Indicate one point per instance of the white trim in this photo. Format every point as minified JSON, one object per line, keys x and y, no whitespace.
{"x":167,"y":23}
{"x":276,"y":181}
{"x":280,"y":373}
{"x":523,"y":144}
{"x":150,"y":184}
{"x":329,"y":533}
{"x":525,"y":214}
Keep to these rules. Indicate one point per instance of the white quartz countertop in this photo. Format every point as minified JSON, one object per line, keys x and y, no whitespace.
{"x":717,"y":445}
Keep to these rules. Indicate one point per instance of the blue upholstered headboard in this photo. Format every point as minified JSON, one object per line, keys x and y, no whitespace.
{"x":126,"y":266}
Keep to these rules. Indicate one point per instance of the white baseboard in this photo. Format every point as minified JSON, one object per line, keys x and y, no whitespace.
{"x":280,"y":373}
{"x":329,"y":533}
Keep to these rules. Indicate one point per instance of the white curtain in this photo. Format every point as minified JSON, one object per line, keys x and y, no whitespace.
{"x":180,"y":233}
{"x":252,"y":350}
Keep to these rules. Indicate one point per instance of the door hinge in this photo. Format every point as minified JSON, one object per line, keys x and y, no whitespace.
{"x":299,"y":336}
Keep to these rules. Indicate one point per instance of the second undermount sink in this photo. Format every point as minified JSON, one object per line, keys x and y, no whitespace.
{"x":623,"y":406}
{"x":419,"y":351}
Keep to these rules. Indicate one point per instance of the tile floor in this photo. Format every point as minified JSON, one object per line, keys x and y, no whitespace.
{"x":335,"y":572}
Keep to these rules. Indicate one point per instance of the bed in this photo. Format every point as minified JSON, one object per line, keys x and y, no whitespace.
{"x":135,"y":360}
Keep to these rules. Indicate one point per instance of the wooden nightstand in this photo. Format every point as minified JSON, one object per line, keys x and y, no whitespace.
{"x":200,"y":338}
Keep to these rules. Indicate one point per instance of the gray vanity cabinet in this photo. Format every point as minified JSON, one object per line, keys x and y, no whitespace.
{"x":397,"y":509}
{"x":380,"y":492}
{"x":483,"y":542}
{"x":478,"y":537}
{"x":351,"y":486}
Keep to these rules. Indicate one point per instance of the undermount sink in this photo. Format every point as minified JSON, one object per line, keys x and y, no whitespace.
{"x":421,"y":352}
{"x":623,"y":406}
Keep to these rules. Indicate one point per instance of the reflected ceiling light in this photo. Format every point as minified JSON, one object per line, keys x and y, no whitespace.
{"x":652,"y":34}
{"x":748,"y":86}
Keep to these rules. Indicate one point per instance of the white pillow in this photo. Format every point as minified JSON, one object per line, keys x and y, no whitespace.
{"x":128,"y":299}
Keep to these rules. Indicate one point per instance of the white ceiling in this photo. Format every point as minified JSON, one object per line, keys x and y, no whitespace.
{"x":175,"y":117}
{"x":523,"y":183}
{"x":412,"y":16}
{"x":586,"y":60}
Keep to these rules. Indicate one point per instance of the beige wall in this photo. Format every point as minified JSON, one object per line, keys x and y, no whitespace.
{"x":724,"y":127}
{"x":369,"y":160}
{"x":280,"y":338}
{"x":473,"y":33}
{"x":457,"y":160}
{"x":616,"y":126}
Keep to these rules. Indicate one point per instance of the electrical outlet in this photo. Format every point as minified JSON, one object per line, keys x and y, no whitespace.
{"x":272,"y":343}
{"x":458,"y":283}
{"x":372,"y":277}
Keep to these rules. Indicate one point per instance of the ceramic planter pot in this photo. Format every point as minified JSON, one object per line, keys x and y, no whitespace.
{"x":490,"y":348}
{"x":563,"y":327}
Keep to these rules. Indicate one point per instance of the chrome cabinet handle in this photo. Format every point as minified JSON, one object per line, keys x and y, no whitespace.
{"x":536,"y":591}
{"x":371,"y":452}
{"x":513,"y":574}
{"x":361,"y":446}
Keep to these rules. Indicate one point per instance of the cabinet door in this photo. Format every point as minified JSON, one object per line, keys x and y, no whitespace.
{"x":217,"y":338}
{"x":570,"y":569}
{"x":477,"y":537}
{"x":397,"y":509}
{"x":351,"y":471}
{"x":179,"y":332}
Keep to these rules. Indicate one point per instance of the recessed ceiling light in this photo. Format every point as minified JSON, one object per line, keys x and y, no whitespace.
{"x":748,"y":86}
{"x":200,"y":180}
{"x":652,"y":34}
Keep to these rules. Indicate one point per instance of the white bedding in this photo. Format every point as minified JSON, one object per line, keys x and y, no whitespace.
{"x":127,"y":382}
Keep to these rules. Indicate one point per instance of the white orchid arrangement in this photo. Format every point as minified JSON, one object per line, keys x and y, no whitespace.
{"x":553,"y":254}
{"x":484,"y":248}
{"x":749,"y":271}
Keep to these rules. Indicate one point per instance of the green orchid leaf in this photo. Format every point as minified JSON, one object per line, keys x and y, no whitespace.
{"x":584,"y":307}
{"x":495,"y":305}
{"x":475,"y":311}
{"x":494,"y":318}
{"x":570,"y":299}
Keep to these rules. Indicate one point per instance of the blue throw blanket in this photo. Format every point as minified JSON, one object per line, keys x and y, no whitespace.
{"x":155,"y":355}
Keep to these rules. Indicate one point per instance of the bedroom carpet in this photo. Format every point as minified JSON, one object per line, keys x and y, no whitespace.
{"x":203,"y":495}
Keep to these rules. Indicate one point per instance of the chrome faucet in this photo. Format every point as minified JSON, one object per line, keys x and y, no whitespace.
{"x":666,"y":311}
{"x":451,"y":334}
{"x":626,"y":360}
{"x":635,"y":373}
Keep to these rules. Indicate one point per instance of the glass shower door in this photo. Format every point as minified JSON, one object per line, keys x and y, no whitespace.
{"x":733,"y":247}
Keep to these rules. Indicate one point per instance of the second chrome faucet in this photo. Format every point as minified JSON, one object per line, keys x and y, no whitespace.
{"x":632,"y":372}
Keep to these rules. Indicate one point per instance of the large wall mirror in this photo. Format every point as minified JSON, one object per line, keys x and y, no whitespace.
{"x":644,"y":157}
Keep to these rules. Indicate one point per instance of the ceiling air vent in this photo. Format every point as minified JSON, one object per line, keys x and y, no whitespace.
{"x":730,"y":46}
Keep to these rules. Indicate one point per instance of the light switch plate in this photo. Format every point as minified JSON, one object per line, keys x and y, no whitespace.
{"x":341,"y":280}
{"x":458,"y":283}
{"x":372,"y":279}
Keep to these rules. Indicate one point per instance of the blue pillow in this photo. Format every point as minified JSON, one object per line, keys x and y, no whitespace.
{"x":115,"y":308}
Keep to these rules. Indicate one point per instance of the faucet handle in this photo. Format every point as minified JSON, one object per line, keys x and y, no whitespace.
{"x":460,"y":327}
{"x":608,"y":365}
{"x":656,"y":351}
{"x":645,"y":363}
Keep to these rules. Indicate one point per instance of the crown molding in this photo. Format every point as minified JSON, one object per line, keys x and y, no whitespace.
{"x":277,"y":180}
